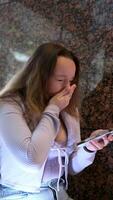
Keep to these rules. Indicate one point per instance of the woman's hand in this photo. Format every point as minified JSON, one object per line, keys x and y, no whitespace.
{"x":98,"y":144}
{"x":62,"y":98}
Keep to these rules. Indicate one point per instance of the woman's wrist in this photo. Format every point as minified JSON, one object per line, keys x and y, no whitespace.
{"x":88,"y":150}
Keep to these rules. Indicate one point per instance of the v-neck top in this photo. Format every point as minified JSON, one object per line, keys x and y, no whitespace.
{"x":30,"y":158}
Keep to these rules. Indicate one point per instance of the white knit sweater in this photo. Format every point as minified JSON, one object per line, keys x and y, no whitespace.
{"x":30,"y":158}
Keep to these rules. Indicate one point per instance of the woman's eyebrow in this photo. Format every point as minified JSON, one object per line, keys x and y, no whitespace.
{"x":62,"y":75}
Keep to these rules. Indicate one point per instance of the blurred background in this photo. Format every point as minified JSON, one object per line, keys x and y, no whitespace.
{"x":86,"y":27}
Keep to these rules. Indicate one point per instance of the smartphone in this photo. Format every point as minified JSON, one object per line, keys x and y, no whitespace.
{"x":95,"y":137}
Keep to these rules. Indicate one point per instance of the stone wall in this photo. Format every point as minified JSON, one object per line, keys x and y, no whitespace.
{"x":86,"y":27}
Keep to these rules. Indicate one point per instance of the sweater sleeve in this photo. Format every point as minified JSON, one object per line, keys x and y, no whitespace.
{"x":28,"y":147}
{"x":80,"y":159}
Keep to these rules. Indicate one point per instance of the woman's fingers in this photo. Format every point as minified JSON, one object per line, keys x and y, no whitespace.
{"x":98,"y":144}
{"x":62,"y":98}
{"x":110,"y":138}
{"x":105,"y":140}
{"x":65,"y":91}
{"x":95,"y":145}
{"x":68,"y":90}
{"x":73,"y":88}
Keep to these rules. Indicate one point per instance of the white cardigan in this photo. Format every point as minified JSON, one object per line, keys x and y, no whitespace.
{"x":30,"y":158}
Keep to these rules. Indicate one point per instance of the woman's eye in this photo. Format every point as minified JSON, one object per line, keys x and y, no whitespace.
{"x":60,"y":80}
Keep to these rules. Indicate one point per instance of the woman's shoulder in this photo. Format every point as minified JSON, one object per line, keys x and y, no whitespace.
{"x":11,"y":104}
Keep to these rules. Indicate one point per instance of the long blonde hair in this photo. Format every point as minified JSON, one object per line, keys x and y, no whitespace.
{"x":31,"y":81}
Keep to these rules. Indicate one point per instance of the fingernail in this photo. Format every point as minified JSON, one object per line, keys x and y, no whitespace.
{"x":74,"y":85}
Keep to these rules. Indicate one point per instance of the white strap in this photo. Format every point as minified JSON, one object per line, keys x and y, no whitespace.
{"x":61,"y":165}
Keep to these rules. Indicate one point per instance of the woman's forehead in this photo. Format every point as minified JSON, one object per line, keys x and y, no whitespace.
{"x":64,"y":67}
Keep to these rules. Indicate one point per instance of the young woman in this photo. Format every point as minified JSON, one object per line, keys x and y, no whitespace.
{"x":39,"y":127}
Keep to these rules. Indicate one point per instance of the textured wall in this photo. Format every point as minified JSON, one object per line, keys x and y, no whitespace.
{"x":86,"y":27}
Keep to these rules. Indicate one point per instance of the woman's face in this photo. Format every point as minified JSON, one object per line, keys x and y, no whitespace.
{"x":62,"y":76}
